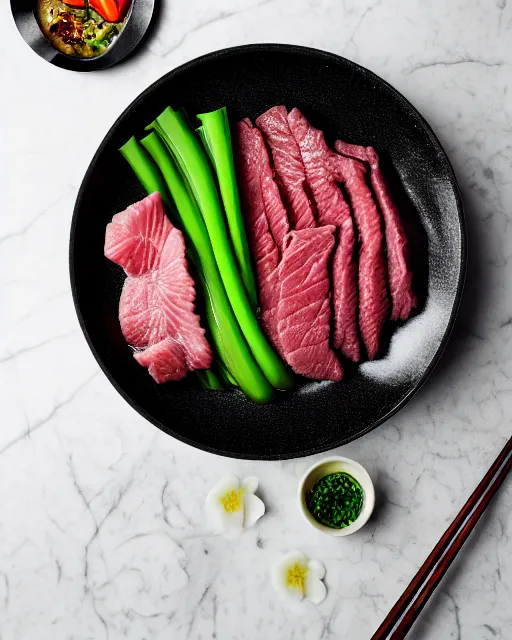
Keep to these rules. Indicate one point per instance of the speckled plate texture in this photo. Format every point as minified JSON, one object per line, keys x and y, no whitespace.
{"x":347,"y":102}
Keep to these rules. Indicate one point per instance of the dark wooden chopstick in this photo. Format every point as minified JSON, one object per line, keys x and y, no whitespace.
{"x":403,"y":615}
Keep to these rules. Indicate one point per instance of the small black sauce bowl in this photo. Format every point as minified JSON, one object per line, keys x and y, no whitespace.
{"x":136,"y":26}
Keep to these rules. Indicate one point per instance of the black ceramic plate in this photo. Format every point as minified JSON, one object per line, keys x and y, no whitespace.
{"x":348,"y":102}
{"x":136,"y":26}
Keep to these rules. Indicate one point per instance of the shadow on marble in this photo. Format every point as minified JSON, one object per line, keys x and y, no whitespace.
{"x":267,"y":500}
{"x":380,"y":510}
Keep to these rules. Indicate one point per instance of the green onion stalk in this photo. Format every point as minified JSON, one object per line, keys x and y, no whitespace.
{"x":209,"y":379}
{"x":189,"y":157}
{"x":216,"y":137}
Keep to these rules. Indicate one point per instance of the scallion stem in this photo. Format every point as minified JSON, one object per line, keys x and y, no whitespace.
{"x":193,"y":164}
{"x":216,"y":137}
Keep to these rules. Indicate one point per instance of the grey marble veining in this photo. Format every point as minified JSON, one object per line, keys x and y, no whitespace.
{"x":102,"y":534}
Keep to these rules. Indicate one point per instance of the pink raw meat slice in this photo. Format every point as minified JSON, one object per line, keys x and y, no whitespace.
{"x":261,"y":204}
{"x":159,"y":305}
{"x":156,"y":308}
{"x":400,"y":278}
{"x":134,"y":236}
{"x":304,"y":309}
{"x":332,"y":209}
{"x":164,"y":360}
{"x":253,"y":152}
{"x":373,"y":294}
{"x":294,"y":287}
{"x":288,"y":165}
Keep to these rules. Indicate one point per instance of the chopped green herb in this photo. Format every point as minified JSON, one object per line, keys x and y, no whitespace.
{"x":336,"y":500}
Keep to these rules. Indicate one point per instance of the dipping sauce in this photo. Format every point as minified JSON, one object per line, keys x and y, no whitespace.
{"x":82,"y":28}
{"x":336,"y":500}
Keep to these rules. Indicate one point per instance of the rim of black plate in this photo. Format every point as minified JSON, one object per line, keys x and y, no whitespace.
{"x":267,"y":47}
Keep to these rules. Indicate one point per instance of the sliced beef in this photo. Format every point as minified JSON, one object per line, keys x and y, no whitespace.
{"x":288,"y":165}
{"x":332,"y":209}
{"x":294,"y":282}
{"x":304,"y":309}
{"x":254,"y":156}
{"x":373,"y":294}
{"x":400,"y":278}
{"x":156,"y":308}
{"x":261,"y":203}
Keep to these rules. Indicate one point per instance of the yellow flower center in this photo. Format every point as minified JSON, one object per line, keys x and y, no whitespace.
{"x":232,"y":500}
{"x":296,"y":576}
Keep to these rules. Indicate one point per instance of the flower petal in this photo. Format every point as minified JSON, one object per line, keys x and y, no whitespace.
{"x":280,"y":575}
{"x":281,"y":588}
{"x":315,"y":589}
{"x":250,"y":484}
{"x":254,"y":508}
{"x":317,"y":569}
{"x":231,"y":521}
{"x":216,"y":504}
{"x":224,"y":485}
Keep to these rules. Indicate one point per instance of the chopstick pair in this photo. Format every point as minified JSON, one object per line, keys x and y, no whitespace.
{"x":403,"y":615}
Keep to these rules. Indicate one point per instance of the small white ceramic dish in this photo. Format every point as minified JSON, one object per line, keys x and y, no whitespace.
{"x":336,"y":464}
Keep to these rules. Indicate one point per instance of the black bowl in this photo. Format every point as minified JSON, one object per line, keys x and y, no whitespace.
{"x":348,"y":102}
{"x":136,"y":26}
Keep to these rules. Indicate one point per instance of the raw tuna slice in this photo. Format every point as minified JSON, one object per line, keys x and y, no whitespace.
{"x":400,"y":278}
{"x":332,"y":209}
{"x":156,"y":309}
{"x":164,"y":360}
{"x":288,"y":165}
{"x":134,"y":237}
{"x":261,"y":203}
{"x":304,"y":309}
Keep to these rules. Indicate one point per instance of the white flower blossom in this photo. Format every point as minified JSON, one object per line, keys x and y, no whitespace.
{"x":233,"y":505}
{"x":296,"y":577}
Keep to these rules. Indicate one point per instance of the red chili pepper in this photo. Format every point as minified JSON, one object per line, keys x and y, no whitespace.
{"x":109,"y":10}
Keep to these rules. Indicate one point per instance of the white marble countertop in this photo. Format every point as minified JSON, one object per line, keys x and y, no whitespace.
{"x":101,"y":528}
